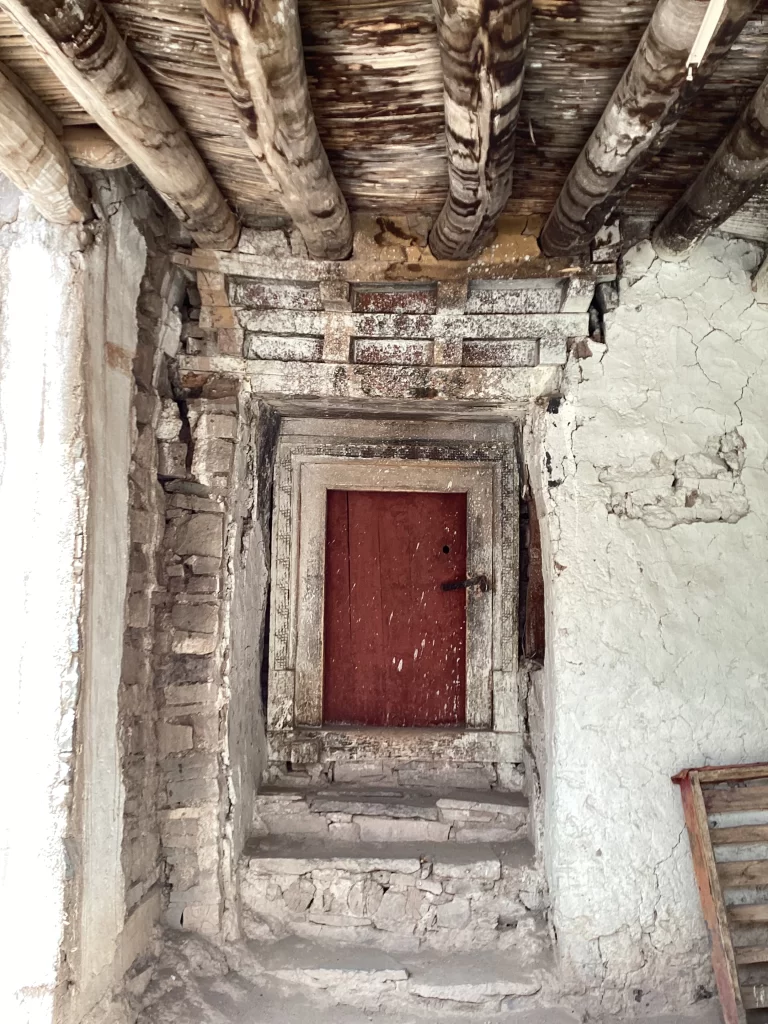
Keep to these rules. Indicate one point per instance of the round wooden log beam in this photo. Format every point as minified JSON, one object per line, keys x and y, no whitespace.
{"x":260,"y":53}
{"x":36,"y":162}
{"x":81,"y":45}
{"x":89,"y":146}
{"x":735,"y":172}
{"x":482,"y":48}
{"x":647,"y":104}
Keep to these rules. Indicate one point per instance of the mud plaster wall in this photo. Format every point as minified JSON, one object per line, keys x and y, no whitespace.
{"x":78,"y":862}
{"x":43,"y":508}
{"x":654,"y":493}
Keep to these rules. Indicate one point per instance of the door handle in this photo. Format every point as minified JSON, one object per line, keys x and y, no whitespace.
{"x":481,"y":582}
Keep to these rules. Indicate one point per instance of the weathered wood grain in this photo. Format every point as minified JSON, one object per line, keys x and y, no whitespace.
{"x":35,"y":160}
{"x":259,"y":49}
{"x":375,"y":83}
{"x":89,"y":146}
{"x":743,"y":874}
{"x":647,"y":104}
{"x":483,"y":46}
{"x":743,"y":798}
{"x":751,"y":955}
{"x":81,"y":45}
{"x":733,"y":175}
{"x":749,"y":913}
{"x":739,"y":834}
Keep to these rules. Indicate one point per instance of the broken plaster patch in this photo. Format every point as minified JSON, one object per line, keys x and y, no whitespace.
{"x":703,"y":487}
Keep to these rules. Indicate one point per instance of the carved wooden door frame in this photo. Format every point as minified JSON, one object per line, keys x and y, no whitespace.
{"x":411,"y":457}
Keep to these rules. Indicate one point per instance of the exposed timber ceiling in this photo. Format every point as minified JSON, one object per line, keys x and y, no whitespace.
{"x":377,"y":92}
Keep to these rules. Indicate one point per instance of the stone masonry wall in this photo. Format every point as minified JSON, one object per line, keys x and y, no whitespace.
{"x":158,"y":324}
{"x":653,"y":491}
{"x":210,"y":604}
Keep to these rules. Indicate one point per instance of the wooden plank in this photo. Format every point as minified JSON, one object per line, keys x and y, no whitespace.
{"x":394,"y":651}
{"x":735,"y":173}
{"x":751,"y":955}
{"x":730,"y":772}
{"x":743,"y":874}
{"x":739,"y":834}
{"x":755,"y":997}
{"x":745,"y":798}
{"x":81,"y":45}
{"x":380,"y":271}
{"x":645,"y":108}
{"x":712,"y":904}
{"x":35,"y":160}
{"x":482,"y":47}
{"x":259,"y":50}
{"x":749,"y":913}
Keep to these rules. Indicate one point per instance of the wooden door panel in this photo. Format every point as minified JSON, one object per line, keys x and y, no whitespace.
{"x":395,"y":642}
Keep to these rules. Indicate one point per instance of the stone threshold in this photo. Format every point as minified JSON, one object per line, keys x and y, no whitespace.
{"x":352,"y":813}
{"x":310,"y":745}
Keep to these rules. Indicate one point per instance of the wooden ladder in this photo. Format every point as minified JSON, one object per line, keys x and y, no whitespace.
{"x":726,"y":813}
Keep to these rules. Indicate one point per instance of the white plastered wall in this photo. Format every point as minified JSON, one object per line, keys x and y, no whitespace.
{"x":67,"y":338}
{"x":652,"y":484}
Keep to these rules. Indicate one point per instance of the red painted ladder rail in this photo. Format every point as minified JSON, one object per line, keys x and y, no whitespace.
{"x":726,"y":813}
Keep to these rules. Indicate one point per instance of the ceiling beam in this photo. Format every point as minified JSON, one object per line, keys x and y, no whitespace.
{"x":81,"y":45}
{"x":35,"y":160}
{"x":661,"y":80}
{"x":482,"y":49}
{"x":89,"y":146}
{"x":735,"y":172}
{"x":258,"y":46}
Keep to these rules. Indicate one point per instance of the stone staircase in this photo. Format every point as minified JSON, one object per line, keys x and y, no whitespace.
{"x":391,"y":898}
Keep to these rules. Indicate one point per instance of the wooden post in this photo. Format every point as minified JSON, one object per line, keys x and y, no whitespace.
{"x":82,"y":47}
{"x":482,"y":46}
{"x":36,"y":162}
{"x":647,"y":104}
{"x":259,"y":49}
{"x":735,"y":172}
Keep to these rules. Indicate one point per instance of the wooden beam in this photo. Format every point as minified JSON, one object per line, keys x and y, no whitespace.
{"x":259,"y":49}
{"x":36,"y":162}
{"x":735,"y":172}
{"x":482,"y":48}
{"x":657,"y":86}
{"x":82,"y":47}
{"x":89,"y":146}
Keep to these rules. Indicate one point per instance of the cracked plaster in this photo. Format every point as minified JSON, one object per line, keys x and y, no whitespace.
{"x":657,"y":647}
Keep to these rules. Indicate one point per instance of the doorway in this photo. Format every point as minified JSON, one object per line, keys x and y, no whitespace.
{"x":395,"y":609}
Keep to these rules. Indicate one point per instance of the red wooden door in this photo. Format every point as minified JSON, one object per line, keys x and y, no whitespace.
{"x":394,"y":645}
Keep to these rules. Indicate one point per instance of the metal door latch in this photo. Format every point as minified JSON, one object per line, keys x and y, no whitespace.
{"x":481,"y":582}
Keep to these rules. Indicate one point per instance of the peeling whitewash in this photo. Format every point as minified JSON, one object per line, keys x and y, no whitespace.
{"x":653,"y":490}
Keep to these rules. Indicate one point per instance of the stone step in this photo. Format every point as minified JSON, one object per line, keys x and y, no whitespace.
{"x":351,"y":813}
{"x":378,"y":980}
{"x":407,"y":895}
